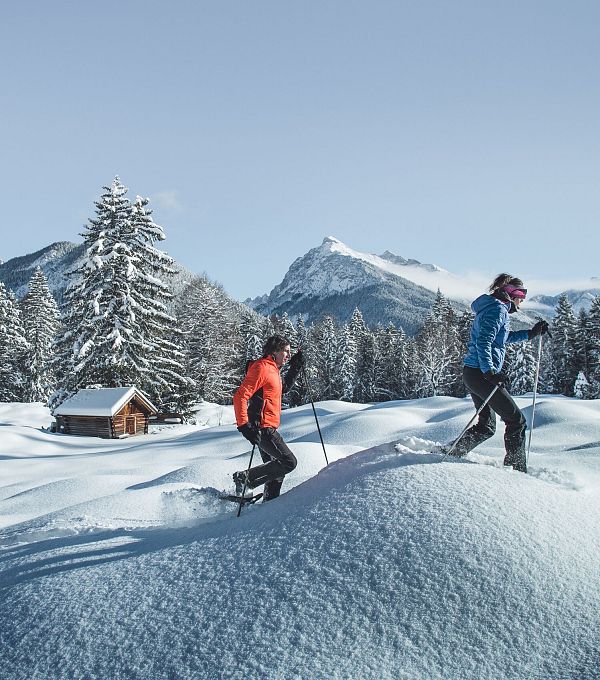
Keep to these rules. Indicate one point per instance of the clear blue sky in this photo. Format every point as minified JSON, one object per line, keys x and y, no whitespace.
{"x":461,"y":133}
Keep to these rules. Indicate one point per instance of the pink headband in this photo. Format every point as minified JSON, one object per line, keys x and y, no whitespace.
{"x":515,"y":292}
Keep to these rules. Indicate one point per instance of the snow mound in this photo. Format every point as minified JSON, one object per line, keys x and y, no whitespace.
{"x":382,"y":566}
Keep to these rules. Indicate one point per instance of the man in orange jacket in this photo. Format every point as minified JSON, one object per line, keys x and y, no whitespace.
{"x":257,"y":405}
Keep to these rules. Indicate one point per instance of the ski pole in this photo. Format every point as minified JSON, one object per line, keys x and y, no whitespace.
{"x":468,"y":425}
{"x":314,"y":411}
{"x":246,"y":482}
{"x":535,"y":385}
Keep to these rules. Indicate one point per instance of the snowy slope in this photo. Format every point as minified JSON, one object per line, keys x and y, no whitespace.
{"x":387,"y":564}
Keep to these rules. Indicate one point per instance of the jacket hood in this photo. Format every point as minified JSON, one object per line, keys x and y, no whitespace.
{"x":486,"y":301}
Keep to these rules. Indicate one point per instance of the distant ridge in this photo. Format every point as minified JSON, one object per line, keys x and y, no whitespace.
{"x":56,"y":260}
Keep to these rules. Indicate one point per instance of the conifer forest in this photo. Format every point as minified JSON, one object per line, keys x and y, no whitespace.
{"x":121,"y":325}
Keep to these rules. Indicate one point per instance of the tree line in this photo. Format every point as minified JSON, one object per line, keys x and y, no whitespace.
{"x":120,"y":325}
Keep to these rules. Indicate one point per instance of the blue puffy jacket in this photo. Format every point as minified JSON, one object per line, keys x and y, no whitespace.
{"x":490,"y":334}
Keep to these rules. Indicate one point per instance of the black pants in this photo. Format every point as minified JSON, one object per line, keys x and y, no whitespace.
{"x":278,"y":460}
{"x":502,"y":404}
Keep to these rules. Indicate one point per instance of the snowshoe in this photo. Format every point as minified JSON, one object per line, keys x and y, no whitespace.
{"x":244,"y":500}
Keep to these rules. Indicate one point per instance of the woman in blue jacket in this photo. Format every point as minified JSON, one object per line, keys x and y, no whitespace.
{"x":482,"y":369}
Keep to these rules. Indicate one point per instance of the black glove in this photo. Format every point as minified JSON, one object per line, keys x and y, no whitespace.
{"x":297,"y":361}
{"x":251,"y":432}
{"x":540,"y":328}
{"x":500,"y":379}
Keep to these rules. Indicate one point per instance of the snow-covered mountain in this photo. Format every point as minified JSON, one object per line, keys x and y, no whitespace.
{"x":56,"y":260}
{"x":334,"y":279}
{"x":580,"y":299}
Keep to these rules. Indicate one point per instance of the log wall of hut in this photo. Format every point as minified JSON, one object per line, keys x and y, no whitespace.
{"x":90,"y":426}
{"x":131,"y":419}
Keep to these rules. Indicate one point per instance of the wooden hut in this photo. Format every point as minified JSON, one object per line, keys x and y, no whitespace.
{"x":109,"y":412}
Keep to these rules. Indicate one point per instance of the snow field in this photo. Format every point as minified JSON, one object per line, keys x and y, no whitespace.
{"x":386,"y":564}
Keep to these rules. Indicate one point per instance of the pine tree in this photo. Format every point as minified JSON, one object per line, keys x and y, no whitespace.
{"x":13,"y":349}
{"x":118,"y":331}
{"x":252,"y":331}
{"x":323,"y":358}
{"x":400,"y":373}
{"x":214,"y":343}
{"x":547,"y":373}
{"x":149,"y":269}
{"x":591,"y":333}
{"x":41,"y":322}
{"x":582,"y":342}
{"x":564,"y":331}
{"x":438,"y":351}
{"x":364,"y":386}
{"x":581,"y":389}
{"x":367,"y":378}
{"x":298,"y":393}
{"x":521,"y":367}
{"x":345,"y":373}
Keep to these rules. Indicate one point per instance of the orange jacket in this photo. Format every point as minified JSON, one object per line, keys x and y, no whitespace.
{"x":262,"y":374}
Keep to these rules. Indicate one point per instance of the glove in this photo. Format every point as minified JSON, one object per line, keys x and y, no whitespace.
{"x":500,"y":379}
{"x":540,"y":328}
{"x":251,"y":433}
{"x":297,"y":361}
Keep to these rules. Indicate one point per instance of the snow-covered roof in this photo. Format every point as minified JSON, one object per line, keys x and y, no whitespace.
{"x":105,"y":401}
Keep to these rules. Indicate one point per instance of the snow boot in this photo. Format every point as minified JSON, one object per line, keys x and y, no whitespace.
{"x":240,"y":479}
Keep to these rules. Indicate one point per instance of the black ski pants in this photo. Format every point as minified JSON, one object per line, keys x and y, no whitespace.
{"x":502,"y":404}
{"x":278,"y":460}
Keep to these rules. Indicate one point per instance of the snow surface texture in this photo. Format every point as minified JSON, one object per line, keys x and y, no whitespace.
{"x":117,"y":560}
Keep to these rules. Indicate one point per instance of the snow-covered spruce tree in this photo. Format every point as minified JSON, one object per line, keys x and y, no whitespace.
{"x":41,"y":322}
{"x":213,"y":342}
{"x":149,"y":269}
{"x":438,"y":351}
{"x":403,"y":370}
{"x":521,"y":366}
{"x":252,"y":332}
{"x":364,"y":386}
{"x":323,"y":359}
{"x":345,"y":371}
{"x":464,"y":323}
{"x":13,"y":349}
{"x":298,"y":393}
{"x":387,"y":372}
{"x":564,"y":332}
{"x":582,"y":342}
{"x":592,"y":334}
{"x":581,"y":389}
{"x":546,"y":376}
{"x":366,"y":389}
{"x":118,"y":331}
